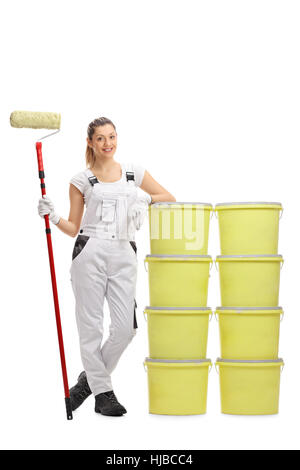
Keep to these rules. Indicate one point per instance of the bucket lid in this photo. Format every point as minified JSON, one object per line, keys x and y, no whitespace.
{"x":241,"y":310}
{"x":249,"y":258}
{"x":206,"y":258}
{"x":249,"y":363}
{"x":178,"y":310}
{"x":179,"y":361}
{"x":204,"y":204}
{"x":247,"y":205}
{"x":178,"y":256}
{"x":256,"y":361}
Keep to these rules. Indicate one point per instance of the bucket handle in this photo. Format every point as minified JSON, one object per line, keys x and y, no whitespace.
{"x":217,"y":370}
{"x":281,"y":263}
{"x":216,"y":316}
{"x":215,"y":263}
{"x":211,"y":264}
{"x":281,"y":212}
{"x":209,"y":368}
{"x":145,"y":266}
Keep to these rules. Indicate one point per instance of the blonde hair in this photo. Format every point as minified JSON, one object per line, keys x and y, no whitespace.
{"x":89,"y":153}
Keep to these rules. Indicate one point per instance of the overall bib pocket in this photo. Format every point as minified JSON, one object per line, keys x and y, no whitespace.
{"x":80,"y":243}
{"x":108,"y":210}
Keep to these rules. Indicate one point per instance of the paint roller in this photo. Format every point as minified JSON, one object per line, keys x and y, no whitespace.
{"x":35,"y":120}
{"x":46,"y":120}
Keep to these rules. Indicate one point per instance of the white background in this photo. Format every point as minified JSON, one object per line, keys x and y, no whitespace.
{"x":205,"y":95}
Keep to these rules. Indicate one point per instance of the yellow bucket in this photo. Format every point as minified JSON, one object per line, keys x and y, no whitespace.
{"x":249,"y":333}
{"x":178,"y":280}
{"x":177,"y":387}
{"x":249,"y":387}
{"x":249,"y":281}
{"x":177,"y":333}
{"x":179,"y":227}
{"x":249,"y":227}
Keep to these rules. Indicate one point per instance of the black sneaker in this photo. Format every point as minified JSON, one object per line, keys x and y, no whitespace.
{"x":107,"y":404}
{"x":80,"y":391}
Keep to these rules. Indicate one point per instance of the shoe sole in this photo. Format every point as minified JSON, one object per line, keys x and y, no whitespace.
{"x":108,"y":414}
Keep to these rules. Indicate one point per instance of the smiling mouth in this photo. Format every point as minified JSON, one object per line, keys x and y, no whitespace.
{"x":108,"y":150}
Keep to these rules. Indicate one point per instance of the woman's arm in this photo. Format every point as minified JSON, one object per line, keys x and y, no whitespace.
{"x":156,"y":191}
{"x":72,"y":225}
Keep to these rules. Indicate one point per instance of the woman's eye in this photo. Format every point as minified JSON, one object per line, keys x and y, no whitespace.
{"x":112,"y":136}
{"x":99,"y":138}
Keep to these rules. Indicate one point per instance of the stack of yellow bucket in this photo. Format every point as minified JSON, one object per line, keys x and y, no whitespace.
{"x":249,"y":318}
{"x":178,"y":316}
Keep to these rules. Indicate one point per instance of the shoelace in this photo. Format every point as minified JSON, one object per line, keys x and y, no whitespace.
{"x":112,"y":397}
{"x":82,"y":392}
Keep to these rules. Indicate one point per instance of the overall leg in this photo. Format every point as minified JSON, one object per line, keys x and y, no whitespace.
{"x":89,"y":282}
{"x":120,"y":294}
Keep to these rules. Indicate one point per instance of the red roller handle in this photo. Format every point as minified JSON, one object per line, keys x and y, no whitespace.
{"x":54,"y":286}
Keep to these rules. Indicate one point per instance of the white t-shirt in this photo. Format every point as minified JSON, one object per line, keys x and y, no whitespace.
{"x":81,"y":182}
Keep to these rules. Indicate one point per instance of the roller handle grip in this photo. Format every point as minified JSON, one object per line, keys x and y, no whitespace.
{"x":39,"y":156}
{"x":38,"y":146}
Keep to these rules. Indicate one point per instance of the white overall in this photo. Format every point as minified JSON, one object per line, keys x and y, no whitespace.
{"x":104,"y":265}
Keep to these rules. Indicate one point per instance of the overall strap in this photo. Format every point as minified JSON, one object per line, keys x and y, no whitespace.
{"x":129,"y":173}
{"x":92,"y":179}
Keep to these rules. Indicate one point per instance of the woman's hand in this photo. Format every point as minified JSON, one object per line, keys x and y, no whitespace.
{"x":71,"y":226}
{"x":145,"y":199}
{"x":45,"y":207}
{"x":138,"y":210}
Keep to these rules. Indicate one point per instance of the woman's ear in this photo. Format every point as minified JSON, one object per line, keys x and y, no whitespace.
{"x":89,"y":143}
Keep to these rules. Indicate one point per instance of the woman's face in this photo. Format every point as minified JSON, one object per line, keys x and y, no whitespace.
{"x":104,"y":141}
